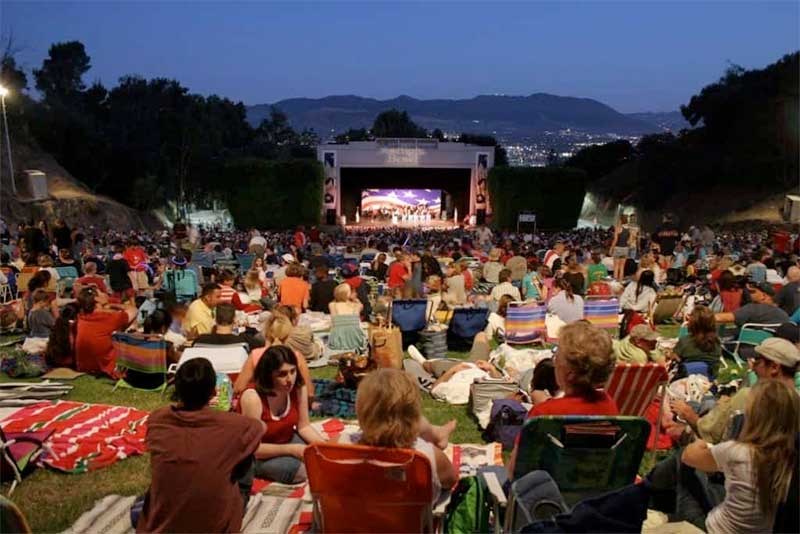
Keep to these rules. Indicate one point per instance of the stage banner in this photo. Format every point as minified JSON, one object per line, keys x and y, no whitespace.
{"x":329,"y":164}
{"x":376,"y":202}
{"x":481,"y":183}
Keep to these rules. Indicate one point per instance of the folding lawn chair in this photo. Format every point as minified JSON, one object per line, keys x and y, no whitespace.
{"x":410,"y":315}
{"x":602,"y":312}
{"x":66,"y":278}
{"x":245,"y":261}
{"x":141,"y":353}
{"x":18,"y":454}
{"x":750,"y":334}
{"x":183,"y":283}
{"x":225,"y":359}
{"x":465,"y":323}
{"x":525,"y":323}
{"x":634,"y":386}
{"x":387,"y":490}
{"x":584,"y":455}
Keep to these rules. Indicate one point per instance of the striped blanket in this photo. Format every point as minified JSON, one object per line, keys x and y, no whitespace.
{"x":275,"y":507}
{"x":85,"y":437}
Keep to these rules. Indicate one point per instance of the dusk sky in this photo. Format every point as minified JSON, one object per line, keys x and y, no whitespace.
{"x":634,"y":56}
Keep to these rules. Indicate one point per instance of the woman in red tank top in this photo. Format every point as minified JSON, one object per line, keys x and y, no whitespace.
{"x":279,"y":399}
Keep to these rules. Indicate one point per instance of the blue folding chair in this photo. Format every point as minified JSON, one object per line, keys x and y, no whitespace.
{"x":409,"y":315}
{"x":464,"y":325}
{"x":66,"y":278}
{"x":245,"y":261}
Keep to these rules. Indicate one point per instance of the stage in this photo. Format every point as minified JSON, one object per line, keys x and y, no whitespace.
{"x":386,"y":224}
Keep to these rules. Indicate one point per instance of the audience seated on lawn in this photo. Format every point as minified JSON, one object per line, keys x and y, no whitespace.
{"x":774,"y":359}
{"x":359,"y":287}
{"x":60,"y":345}
{"x":229,"y":295}
{"x":390,"y":415}
{"x":639,"y":347}
{"x":222,"y":333}
{"x":583,"y":363}
{"x":640,"y":295}
{"x":293,"y":290}
{"x":196,"y":457}
{"x":41,"y":318}
{"x":321,"y":290}
{"x":90,"y":278}
{"x":199,"y":317}
{"x":492,"y":268}
{"x":702,"y":344}
{"x":279,"y":399}
{"x":301,"y":339}
{"x":346,"y":332}
{"x":455,"y":291}
{"x":97,"y":320}
{"x":564,"y":304}
{"x":276,"y":333}
{"x":505,"y":287}
{"x":758,"y":466}
{"x":762,"y":309}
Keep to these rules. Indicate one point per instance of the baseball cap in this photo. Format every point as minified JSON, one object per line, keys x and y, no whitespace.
{"x":288,"y":258}
{"x":642,"y":331}
{"x":764,"y":288}
{"x":779,"y":351}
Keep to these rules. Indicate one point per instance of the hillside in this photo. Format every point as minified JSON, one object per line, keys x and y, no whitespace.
{"x":672,"y":121}
{"x":68,"y":197}
{"x":502,"y":115}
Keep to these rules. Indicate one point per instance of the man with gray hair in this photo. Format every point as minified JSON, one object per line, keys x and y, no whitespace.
{"x":788,"y":298}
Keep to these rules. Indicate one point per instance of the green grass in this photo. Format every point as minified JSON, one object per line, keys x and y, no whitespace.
{"x":52,"y":501}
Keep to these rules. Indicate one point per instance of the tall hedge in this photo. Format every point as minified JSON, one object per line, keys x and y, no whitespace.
{"x":555,"y":194}
{"x":274,"y":194}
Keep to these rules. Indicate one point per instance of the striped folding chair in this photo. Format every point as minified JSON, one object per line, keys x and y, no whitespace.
{"x":603,"y":313}
{"x":525,"y":323}
{"x":634,"y":386}
{"x":141,"y":353}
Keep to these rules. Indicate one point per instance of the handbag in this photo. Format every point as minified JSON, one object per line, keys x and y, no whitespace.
{"x":386,"y":345}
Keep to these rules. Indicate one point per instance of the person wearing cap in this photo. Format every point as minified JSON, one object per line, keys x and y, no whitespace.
{"x":761,"y":310}
{"x":280,"y":273}
{"x":774,"y":359}
{"x":492,"y":268}
{"x":639,"y":346}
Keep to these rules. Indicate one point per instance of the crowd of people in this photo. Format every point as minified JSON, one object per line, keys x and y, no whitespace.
{"x":193,"y":286}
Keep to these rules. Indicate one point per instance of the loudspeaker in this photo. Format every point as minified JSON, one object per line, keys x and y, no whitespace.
{"x":481,"y":217}
{"x":330,"y":217}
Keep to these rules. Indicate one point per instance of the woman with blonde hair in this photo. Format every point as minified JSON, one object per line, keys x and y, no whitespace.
{"x":346,"y":332}
{"x":758,"y":464}
{"x":389,"y":414}
{"x":276,"y":333}
{"x":456,"y":292}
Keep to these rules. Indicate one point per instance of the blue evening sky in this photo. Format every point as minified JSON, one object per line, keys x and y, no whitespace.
{"x":635,"y":55}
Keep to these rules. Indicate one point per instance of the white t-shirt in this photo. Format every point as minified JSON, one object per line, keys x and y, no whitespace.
{"x":739,"y":512}
{"x":629,"y":301}
{"x":456,"y":390}
{"x":506,"y":288}
{"x":494,"y":324}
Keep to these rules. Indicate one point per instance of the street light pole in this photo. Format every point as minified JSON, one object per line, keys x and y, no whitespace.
{"x":3,"y":93}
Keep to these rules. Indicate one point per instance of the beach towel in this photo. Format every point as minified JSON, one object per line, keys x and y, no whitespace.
{"x":86,"y":437}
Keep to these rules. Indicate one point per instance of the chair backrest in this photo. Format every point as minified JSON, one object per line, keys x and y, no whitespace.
{"x":224,"y":358}
{"x":409,"y":315}
{"x":67,"y":272}
{"x":754,"y":334}
{"x":387,"y":490}
{"x":525,"y":322}
{"x":585,"y":455}
{"x":140,"y":352}
{"x":603,"y":313}
{"x":203,"y":259}
{"x":466,"y":322}
{"x":183,"y":282}
{"x":245,"y":261}
{"x":633,"y":386}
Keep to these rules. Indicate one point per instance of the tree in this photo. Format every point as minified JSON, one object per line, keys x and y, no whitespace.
{"x":599,"y":160}
{"x":395,"y":123}
{"x":438,"y":135}
{"x":361,"y":134}
{"x":60,"y":80}
{"x":500,"y":154}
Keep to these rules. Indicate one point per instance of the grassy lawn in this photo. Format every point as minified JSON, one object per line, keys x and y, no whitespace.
{"x":52,"y":501}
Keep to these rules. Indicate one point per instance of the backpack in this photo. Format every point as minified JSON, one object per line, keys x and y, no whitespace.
{"x":506,"y":421}
{"x":467,"y":511}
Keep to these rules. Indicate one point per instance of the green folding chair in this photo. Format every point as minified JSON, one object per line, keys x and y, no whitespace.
{"x":585,"y":455}
{"x":751,"y":334}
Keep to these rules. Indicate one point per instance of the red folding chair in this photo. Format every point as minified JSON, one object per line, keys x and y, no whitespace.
{"x":634,"y":386}
{"x":369,"y":489}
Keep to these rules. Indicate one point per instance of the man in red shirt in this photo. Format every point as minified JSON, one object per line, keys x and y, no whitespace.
{"x":134,"y":255}
{"x":399,"y":272}
{"x":94,"y":352}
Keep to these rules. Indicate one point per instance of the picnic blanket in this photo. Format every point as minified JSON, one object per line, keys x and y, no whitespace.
{"x":275,"y":507}
{"x":85,"y":437}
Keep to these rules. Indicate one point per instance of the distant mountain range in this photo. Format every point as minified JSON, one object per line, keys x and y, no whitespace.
{"x":665,"y":120}
{"x":509,"y":117}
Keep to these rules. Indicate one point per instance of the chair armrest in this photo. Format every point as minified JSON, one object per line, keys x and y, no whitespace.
{"x":495,"y":489}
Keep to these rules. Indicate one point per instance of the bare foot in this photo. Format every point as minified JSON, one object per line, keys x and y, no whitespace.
{"x":442,"y":433}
